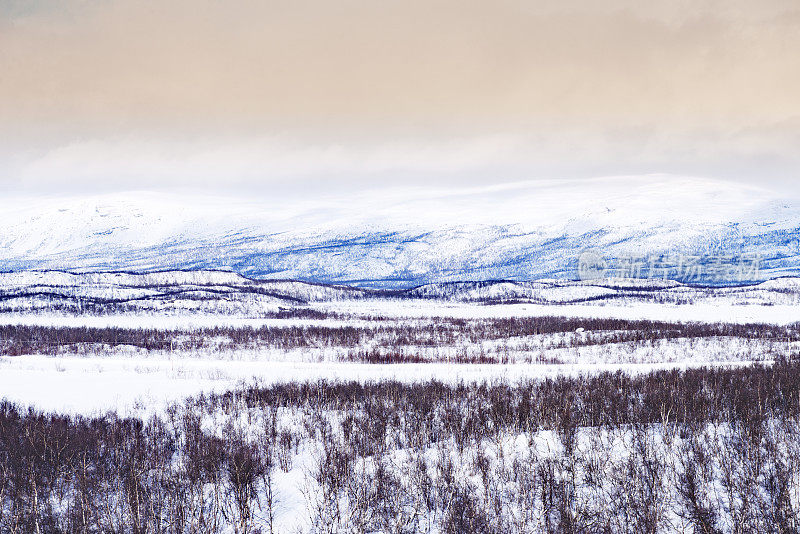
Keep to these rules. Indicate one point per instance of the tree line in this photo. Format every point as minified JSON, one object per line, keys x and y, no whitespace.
{"x":27,"y":339}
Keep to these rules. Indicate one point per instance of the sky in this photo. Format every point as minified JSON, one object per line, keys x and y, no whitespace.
{"x":327,"y":96}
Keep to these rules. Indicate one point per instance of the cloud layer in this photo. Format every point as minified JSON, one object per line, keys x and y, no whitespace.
{"x":261,"y":92}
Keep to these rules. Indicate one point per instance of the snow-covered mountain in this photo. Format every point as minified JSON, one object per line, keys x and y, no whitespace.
{"x":693,"y":230}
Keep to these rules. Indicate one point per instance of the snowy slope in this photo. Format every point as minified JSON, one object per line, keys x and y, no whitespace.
{"x":216,"y":292}
{"x":781,"y":291}
{"x":203,"y":292}
{"x":406,"y":238}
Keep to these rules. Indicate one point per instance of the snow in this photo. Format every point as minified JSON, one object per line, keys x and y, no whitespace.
{"x":704,"y":313}
{"x":157,"y":321}
{"x":94,"y":385}
{"x":214,"y":293}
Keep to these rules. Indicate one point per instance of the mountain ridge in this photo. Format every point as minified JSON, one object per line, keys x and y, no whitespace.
{"x":403,"y":239}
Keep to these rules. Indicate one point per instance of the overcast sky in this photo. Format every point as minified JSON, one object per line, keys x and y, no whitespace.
{"x":316,"y":95}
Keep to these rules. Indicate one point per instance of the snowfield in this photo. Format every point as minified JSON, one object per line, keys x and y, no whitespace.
{"x":87,"y":375}
{"x":86,"y":385}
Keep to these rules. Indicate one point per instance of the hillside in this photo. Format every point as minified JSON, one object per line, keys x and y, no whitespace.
{"x":408,"y":238}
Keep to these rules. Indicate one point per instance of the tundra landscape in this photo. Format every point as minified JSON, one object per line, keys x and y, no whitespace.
{"x":418,"y":267}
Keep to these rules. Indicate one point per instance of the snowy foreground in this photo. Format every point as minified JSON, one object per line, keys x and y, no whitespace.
{"x":702,"y":450}
{"x":502,"y":407}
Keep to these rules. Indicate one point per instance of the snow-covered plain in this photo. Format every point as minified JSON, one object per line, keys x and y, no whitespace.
{"x":95,"y":377}
{"x":95,"y":385}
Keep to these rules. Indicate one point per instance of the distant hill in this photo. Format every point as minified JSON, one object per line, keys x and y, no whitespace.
{"x":695,"y":231}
